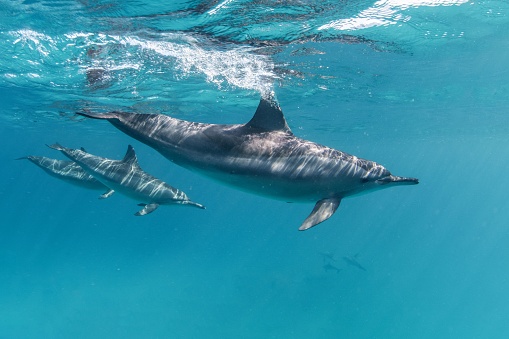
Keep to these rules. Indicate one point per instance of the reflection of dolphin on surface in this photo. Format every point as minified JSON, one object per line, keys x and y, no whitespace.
{"x":68,"y":171}
{"x":262,"y":157}
{"x":353,"y":262}
{"x":126,"y":176}
{"x":97,"y":78}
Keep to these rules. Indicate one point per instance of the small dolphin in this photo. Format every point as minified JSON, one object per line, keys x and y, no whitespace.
{"x":327,"y":256}
{"x":353,"y":262}
{"x":68,"y":171}
{"x":127,"y":177}
{"x":262,"y":157}
{"x":330,"y":267}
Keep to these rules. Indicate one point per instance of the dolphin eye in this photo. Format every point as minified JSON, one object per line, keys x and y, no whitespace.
{"x":364,"y":180}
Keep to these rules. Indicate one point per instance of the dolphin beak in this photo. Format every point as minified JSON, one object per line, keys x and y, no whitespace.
{"x":392,"y":179}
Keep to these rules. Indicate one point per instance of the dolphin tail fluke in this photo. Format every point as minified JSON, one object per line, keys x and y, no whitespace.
{"x":322,"y":211}
{"x":93,"y":115}
{"x":148,"y":208}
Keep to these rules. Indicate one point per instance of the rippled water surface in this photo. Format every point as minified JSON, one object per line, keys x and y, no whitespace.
{"x":418,"y":86}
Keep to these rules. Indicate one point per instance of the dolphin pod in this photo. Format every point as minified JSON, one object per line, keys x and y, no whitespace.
{"x":262,"y":156}
{"x":126,"y":177}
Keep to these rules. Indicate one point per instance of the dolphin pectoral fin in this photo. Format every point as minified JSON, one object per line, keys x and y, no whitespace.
{"x":149,"y":208}
{"x":322,"y":211}
{"x":107,"y":194}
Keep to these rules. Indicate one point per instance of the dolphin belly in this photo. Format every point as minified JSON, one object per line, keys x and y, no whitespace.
{"x":279,"y":187}
{"x":127,"y":191}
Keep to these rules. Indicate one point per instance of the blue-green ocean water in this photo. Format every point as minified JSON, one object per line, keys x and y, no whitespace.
{"x":419,"y":86}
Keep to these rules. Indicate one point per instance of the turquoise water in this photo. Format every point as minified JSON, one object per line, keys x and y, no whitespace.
{"x":420,"y":87}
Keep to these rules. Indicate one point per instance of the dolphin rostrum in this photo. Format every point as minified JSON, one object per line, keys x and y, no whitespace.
{"x":68,"y":171}
{"x":262,"y":157}
{"x":126,"y":176}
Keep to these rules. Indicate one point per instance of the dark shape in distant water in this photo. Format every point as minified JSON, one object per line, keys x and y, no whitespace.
{"x":261,"y":157}
{"x":126,"y":176}
{"x":353,"y":262}
{"x":329,"y":267}
{"x":68,"y":171}
{"x":327,"y":256}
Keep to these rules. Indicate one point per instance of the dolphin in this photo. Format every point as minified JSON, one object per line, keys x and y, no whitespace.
{"x":126,"y":176}
{"x":327,"y":256}
{"x":68,"y":171}
{"x":353,"y":262}
{"x":262,"y":156}
{"x":329,"y":267}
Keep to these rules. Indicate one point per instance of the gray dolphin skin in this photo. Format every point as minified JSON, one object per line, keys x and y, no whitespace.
{"x":126,"y":177}
{"x":68,"y":171}
{"x":262,"y":157}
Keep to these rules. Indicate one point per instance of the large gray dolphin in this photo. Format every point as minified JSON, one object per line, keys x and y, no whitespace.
{"x":68,"y":171}
{"x":126,"y":176}
{"x":262,"y":156}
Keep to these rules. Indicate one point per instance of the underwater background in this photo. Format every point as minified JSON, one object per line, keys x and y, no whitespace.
{"x":419,"y":86}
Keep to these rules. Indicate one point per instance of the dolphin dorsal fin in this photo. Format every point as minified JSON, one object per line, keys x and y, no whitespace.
{"x":268,"y":117}
{"x":130,"y":156}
